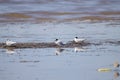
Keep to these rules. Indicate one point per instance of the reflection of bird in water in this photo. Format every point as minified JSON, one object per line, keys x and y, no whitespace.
{"x":9,"y":42}
{"x":77,"y":40}
{"x":116,"y":64}
{"x":58,"y":42}
{"x":116,"y":74}
{"x":58,"y":51}
{"x":10,"y":51}
{"x":78,"y":49}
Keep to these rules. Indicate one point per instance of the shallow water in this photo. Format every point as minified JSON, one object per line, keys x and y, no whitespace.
{"x":48,"y":32}
{"x":46,"y":64}
{"x":54,"y":10}
{"x":97,"y":21}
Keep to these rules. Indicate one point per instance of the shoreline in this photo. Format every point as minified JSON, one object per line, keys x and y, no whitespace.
{"x":70,"y":44}
{"x":45,"y":45}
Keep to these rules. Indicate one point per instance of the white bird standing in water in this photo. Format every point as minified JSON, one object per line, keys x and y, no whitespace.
{"x":58,"y":42}
{"x":77,"y":40}
{"x":9,"y":42}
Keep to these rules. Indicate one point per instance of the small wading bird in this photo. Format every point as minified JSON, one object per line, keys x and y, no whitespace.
{"x":77,"y":40}
{"x":58,"y":42}
{"x":9,"y":42}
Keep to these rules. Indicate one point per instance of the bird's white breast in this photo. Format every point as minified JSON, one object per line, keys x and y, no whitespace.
{"x":9,"y":43}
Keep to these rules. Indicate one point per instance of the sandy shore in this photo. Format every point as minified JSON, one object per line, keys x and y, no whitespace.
{"x":70,"y":44}
{"x":45,"y":45}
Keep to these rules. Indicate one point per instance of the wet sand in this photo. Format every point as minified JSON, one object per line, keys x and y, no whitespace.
{"x":70,"y":44}
{"x":39,"y":17}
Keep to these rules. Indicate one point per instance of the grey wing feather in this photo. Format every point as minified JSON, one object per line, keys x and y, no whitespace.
{"x":60,"y":43}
